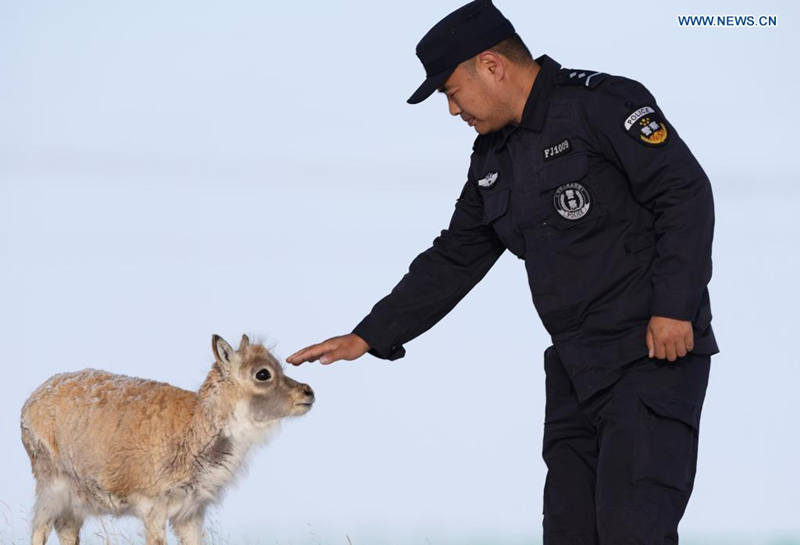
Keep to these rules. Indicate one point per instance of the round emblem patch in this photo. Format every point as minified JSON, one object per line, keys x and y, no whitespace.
{"x":572,"y":200}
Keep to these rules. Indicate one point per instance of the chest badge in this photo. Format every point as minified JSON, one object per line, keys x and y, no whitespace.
{"x":488,"y":181}
{"x":646,"y":127}
{"x":572,"y":201}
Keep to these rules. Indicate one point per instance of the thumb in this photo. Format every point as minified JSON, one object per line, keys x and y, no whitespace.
{"x":331,"y":355}
{"x":327,"y":358}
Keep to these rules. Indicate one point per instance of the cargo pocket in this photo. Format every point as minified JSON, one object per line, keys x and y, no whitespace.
{"x":665,"y":450}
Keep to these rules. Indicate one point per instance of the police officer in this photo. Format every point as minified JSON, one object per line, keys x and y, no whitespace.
{"x":578,"y":173}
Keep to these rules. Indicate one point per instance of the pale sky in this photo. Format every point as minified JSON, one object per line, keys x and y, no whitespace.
{"x":173,"y":170}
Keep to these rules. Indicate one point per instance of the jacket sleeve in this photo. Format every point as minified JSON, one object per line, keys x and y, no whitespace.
{"x":632,"y":132}
{"x":436,"y":281}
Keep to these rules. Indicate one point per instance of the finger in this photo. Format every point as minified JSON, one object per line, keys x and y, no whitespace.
{"x":680,"y":348}
{"x":309,"y":353}
{"x":328,"y":358}
{"x":661,"y":350}
{"x":671,"y":352}
{"x":294,"y":359}
{"x":298,"y":356}
{"x":335,"y":354}
{"x":650,"y":343}
{"x":689,"y":340}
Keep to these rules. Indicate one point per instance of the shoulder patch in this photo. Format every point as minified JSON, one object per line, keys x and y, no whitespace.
{"x":646,"y":126}
{"x":580,"y":78}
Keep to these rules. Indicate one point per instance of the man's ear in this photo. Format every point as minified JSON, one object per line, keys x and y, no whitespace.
{"x":493,"y":63}
{"x":225,"y":355}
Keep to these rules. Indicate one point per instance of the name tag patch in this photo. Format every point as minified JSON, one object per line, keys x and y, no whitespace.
{"x":557,"y":150}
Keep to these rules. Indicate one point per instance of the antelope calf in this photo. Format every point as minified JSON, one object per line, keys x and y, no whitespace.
{"x":101,"y":443}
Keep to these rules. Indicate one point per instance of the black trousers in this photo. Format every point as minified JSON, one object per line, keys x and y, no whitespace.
{"x":621,"y":465}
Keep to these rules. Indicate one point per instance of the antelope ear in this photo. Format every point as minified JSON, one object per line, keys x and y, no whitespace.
{"x":245,"y":342}
{"x":224,"y":353}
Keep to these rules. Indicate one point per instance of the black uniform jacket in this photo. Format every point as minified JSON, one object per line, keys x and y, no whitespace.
{"x":606,"y":205}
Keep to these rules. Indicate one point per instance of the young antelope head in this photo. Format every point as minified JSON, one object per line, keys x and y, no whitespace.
{"x":269,"y":395}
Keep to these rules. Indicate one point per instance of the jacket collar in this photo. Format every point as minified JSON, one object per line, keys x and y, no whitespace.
{"x":535,"y":110}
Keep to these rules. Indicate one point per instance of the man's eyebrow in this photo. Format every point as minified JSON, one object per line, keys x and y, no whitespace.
{"x":442,"y":89}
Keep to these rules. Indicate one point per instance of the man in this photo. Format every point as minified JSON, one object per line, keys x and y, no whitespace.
{"x":578,"y":173}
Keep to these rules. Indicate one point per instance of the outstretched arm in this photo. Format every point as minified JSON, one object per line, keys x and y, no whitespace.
{"x":436,"y":281}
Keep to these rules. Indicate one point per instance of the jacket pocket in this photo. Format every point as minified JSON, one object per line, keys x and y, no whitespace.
{"x":665,"y":447}
{"x":495,"y":204}
{"x":569,"y":196}
{"x":569,"y":168}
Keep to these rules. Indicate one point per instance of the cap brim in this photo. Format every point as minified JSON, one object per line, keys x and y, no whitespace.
{"x":428,"y":86}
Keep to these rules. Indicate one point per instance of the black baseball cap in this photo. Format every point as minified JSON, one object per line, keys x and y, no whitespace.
{"x":461,"y":35}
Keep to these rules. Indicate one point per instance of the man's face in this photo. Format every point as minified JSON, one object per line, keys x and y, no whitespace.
{"x":472,"y":96}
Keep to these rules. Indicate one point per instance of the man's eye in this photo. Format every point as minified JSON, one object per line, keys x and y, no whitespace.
{"x":263,"y":375}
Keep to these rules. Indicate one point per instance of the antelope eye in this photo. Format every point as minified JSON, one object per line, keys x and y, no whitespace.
{"x":263,"y":374}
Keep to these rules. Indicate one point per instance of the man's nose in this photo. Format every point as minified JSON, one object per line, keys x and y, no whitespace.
{"x":453,"y":107}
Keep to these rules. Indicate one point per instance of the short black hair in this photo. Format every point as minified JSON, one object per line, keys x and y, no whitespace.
{"x":514,"y":49}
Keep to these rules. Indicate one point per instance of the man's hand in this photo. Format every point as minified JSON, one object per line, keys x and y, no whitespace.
{"x":344,"y":347}
{"x":668,"y":337}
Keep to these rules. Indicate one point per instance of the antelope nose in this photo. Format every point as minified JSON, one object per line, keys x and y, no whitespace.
{"x":308,"y":391}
